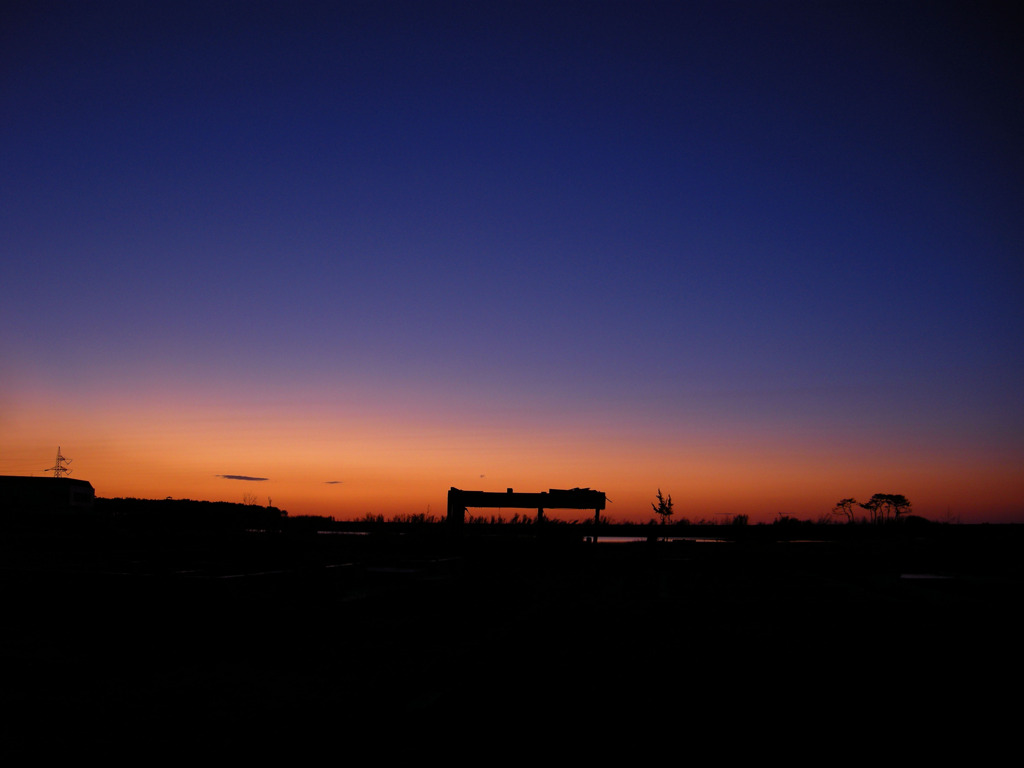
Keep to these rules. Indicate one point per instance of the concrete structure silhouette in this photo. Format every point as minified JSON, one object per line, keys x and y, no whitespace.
{"x":574,"y":498}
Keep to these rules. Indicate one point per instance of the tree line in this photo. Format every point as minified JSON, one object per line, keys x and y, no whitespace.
{"x":882,"y":507}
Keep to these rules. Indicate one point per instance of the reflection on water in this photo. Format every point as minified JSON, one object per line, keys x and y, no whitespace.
{"x":704,"y":540}
{"x":628,"y":539}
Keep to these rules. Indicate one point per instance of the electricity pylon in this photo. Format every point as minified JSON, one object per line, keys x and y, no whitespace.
{"x":59,"y":469}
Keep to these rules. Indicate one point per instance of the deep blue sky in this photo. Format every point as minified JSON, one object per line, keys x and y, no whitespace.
{"x":778,"y":222}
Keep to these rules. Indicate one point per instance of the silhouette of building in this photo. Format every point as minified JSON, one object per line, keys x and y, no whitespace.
{"x":574,"y":498}
{"x":45,"y":494}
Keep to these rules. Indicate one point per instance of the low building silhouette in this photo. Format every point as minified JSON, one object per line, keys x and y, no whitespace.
{"x":555,"y":498}
{"x":45,"y":494}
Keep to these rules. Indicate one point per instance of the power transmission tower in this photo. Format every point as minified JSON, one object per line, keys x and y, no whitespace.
{"x":59,"y":469}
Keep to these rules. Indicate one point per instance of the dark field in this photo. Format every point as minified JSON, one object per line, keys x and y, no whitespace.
{"x":185,"y":640}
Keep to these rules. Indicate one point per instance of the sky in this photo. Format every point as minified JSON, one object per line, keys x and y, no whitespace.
{"x":760,"y":255}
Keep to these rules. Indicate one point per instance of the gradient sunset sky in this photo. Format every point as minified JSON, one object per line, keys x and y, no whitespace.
{"x":760,"y":255}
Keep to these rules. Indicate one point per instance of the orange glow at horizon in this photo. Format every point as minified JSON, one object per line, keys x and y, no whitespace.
{"x":332,"y":463}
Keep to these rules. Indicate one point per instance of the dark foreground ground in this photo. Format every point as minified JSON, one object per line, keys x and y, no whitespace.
{"x":196,"y":641}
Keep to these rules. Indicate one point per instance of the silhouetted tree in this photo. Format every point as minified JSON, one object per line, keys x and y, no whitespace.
{"x":900,"y":504}
{"x":874,"y":505}
{"x":845,"y":507}
{"x":664,"y":507}
{"x":882,"y":505}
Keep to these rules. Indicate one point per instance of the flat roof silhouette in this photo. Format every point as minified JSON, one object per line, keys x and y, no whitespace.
{"x":554,"y":498}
